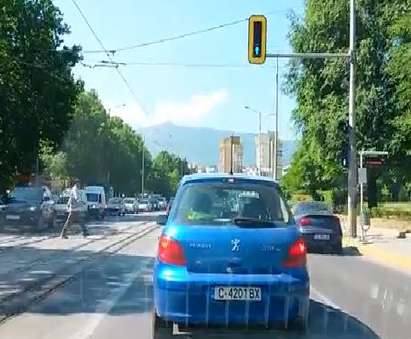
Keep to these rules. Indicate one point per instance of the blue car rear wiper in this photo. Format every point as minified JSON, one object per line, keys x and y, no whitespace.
{"x":252,"y":222}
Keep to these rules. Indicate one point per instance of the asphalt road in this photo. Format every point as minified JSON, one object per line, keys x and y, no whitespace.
{"x":351,"y":297}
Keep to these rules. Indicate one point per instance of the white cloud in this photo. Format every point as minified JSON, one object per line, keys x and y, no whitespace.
{"x":189,"y":112}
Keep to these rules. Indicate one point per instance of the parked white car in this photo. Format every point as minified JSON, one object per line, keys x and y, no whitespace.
{"x":144,"y":205}
{"x":130,"y":205}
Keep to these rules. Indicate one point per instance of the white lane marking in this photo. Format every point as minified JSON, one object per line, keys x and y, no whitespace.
{"x":105,"y":306}
{"x":324,"y":299}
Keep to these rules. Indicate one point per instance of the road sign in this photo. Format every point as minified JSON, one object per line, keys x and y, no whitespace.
{"x":374,"y":161}
{"x":257,"y":39}
{"x":362,"y":175}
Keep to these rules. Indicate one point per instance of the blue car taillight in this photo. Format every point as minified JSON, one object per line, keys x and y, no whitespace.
{"x":297,"y":255}
{"x":170,"y":251}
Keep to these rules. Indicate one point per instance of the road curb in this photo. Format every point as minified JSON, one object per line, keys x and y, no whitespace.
{"x":385,"y":257}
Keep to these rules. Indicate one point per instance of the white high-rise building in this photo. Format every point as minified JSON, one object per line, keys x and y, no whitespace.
{"x":265,"y":159}
{"x":231,"y":155}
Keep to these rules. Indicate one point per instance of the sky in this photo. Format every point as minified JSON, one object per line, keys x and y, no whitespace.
{"x":206,"y":96}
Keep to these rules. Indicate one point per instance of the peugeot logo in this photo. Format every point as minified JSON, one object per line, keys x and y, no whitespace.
{"x":235,"y":243}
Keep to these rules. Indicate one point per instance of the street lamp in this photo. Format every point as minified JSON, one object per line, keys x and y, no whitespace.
{"x":275,"y":151}
{"x":259,"y":118}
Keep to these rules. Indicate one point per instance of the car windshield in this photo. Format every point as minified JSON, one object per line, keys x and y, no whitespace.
{"x":115,"y":201}
{"x":129,"y":201}
{"x":27,"y":194}
{"x":93,"y":197}
{"x":311,"y":207}
{"x":217,"y":203}
{"x":144,"y":201}
{"x":63,"y":200}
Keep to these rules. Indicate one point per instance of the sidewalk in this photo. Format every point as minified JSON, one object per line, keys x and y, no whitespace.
{"x":382,"y":243}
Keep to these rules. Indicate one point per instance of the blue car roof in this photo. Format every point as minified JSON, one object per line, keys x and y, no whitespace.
{"x":219,"y":176}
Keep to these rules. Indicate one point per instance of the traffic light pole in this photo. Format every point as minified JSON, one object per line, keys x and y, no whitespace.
{"x":352,"y":170}
{"x":142,"y":169}
{"x":352,"y":162}
{"x":276,"y":124}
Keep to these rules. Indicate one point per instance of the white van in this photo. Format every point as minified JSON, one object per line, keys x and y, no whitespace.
{"x":96,"y":201}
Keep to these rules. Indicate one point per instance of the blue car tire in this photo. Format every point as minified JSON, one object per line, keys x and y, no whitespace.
{"x":161,"y":328}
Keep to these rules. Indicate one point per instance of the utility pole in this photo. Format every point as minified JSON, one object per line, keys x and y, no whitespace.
{"x":275,"y":165}
{"x":142,"y":170}
{"x":258,"y":55}
{"x":352,"y":166}
{"x":231,"y":154}
{"x":259,"y":135}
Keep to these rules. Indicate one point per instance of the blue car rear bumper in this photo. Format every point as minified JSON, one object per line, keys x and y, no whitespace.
{"x":188,"y":298}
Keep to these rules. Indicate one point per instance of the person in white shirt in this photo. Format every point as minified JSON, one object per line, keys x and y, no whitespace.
{"x":73,"y":213}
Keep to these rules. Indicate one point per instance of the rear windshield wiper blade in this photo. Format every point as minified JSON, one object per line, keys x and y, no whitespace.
{"x":252,"y":222}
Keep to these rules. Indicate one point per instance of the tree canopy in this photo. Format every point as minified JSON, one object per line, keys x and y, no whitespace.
{"x":166,"y":173}
{"x":321,"y":88}
{"x":37,"y":88}
{"x":101,"y":149}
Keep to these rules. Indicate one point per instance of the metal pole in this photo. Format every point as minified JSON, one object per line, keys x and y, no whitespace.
{"x":231,"y":155}
{"x":142,"y":170}
{"x":362,"y":185}
{"x":307,"y":55}
{"x":276,"y":125}
{"x":352,"y":171}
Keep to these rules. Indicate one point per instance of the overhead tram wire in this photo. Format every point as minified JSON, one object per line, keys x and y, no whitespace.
{"x":158,"y":41}
{"x":107,"y":63}
{"x":172,"y":38}
{"x":107,"y":54}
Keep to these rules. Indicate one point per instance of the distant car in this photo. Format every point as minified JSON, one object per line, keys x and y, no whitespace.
{"x":29,"y":205}
{"x":221,"y":264}
{"x":115,"y":206}
{"x":154,"y":204}
{"x":62,"y":208}
{"x":144,"y":205}
{"x":162,"y":203}
{"x":130,"y":205}
{"x":320,"y":228}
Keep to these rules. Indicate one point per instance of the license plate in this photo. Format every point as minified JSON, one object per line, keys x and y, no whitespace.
{"x":12,"y":217}
{"x":321,"y":237}
{"x":237,"y":293}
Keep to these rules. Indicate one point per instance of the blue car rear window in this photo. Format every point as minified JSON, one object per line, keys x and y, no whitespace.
{"x":218,"y":203}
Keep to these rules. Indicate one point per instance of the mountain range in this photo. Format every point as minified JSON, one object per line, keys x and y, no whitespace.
{"x":199,"y":145}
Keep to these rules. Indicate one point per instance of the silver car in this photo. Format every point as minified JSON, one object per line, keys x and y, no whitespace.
{"x":130,"y":205}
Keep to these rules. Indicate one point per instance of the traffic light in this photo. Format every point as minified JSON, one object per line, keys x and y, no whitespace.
{"x":257,"y":39}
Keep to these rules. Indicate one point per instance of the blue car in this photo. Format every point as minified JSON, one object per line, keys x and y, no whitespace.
{"x":230,"y":254}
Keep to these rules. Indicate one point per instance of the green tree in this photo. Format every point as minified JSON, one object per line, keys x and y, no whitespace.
{"x":167,"y":170}
{"x":99,"y":149}
{"x":399,"y":69}
{"x":321,"y":86}
{"x":37,"y":88}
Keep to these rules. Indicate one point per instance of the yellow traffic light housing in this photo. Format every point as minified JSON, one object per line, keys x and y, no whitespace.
{"x":257,"y":39}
